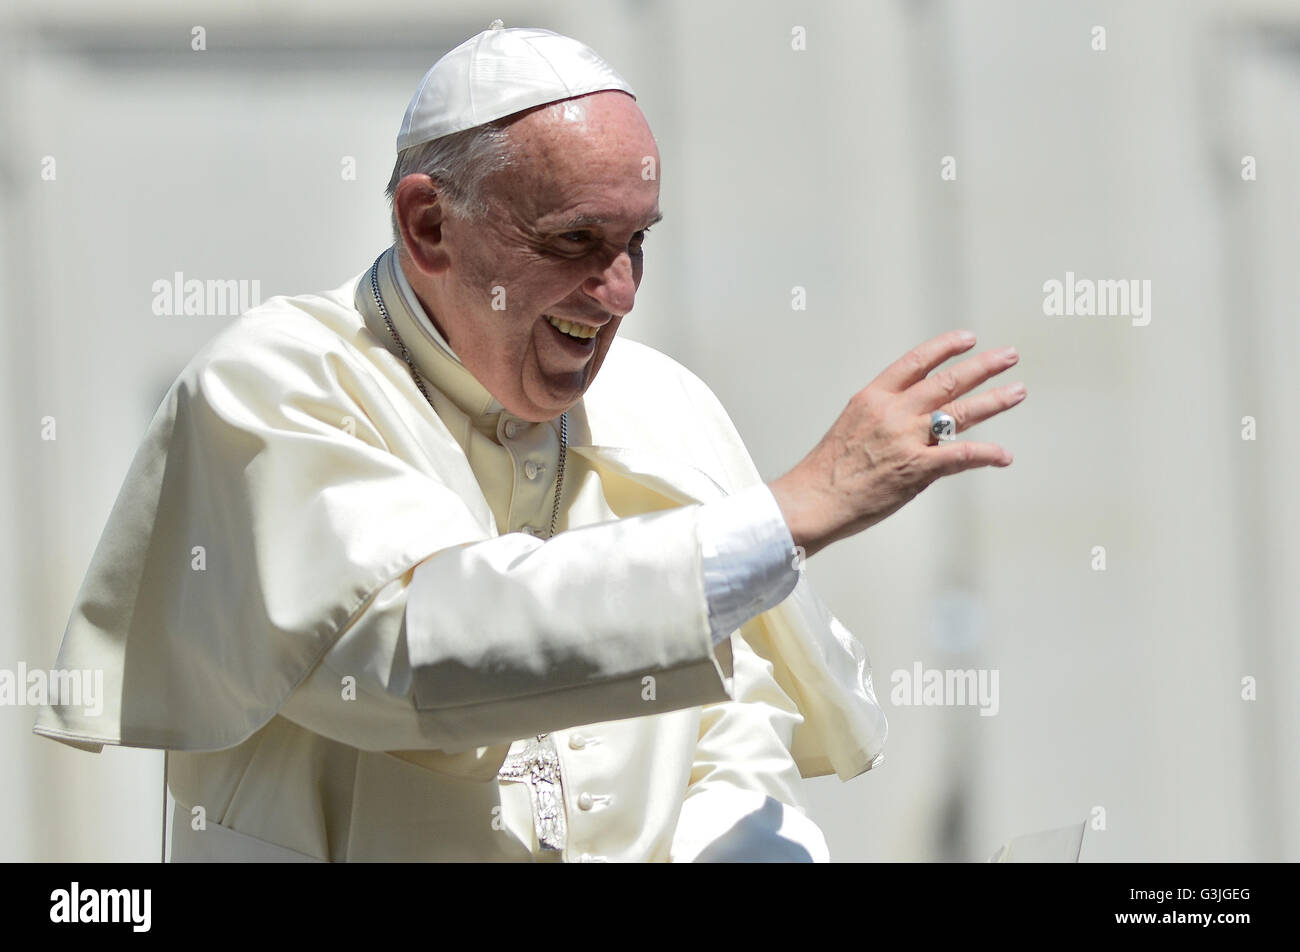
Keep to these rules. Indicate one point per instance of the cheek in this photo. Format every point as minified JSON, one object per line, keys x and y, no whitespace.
{"x":471,"y":264}
{"x":489,"y":269}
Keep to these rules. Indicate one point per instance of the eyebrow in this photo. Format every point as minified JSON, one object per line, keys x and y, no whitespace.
{"x":587,"y":221}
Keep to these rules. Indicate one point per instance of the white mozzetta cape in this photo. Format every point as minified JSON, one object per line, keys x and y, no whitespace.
{"x":297,"y":452}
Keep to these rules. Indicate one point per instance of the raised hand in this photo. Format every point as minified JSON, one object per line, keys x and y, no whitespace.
{"x":879,"y":454}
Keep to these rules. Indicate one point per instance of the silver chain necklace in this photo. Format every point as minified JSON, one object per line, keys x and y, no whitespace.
{"x":537,"y":764}
{"x":415,"y":375}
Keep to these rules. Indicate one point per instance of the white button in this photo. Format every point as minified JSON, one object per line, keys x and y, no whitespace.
{"x":512,"y":428}
{"x":586,"y":801}
{"x":531,"y":469}
{"x":577,"y":741}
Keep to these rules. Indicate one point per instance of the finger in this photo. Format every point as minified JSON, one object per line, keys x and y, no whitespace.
{"x":957,"y":457}
{"x":919,"y":361}
{"x":945,"y":386}
{"x":966,"y":413}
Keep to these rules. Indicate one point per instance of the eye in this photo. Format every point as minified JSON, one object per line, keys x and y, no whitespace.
{"x":637,"y":240}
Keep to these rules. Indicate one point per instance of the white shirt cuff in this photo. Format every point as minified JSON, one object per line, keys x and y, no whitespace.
{"x":749,"y":558}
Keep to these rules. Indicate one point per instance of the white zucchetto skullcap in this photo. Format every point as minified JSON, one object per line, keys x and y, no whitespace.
{"x":500,"y":72}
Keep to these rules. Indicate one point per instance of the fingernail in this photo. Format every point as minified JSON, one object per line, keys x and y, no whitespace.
{"x":1006,"y":458}
{"x":967,"y":337}
{"x":1018,"y":391}
{"x":1007,"y":353}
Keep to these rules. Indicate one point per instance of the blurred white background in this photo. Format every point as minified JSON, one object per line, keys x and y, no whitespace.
{"x":1120,"y":690}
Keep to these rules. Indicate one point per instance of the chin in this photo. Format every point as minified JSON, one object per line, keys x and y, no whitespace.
{"x":548,"y":405}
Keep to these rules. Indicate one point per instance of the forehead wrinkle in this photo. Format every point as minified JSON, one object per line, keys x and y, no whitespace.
{"x":567,"y":157}
{"x":586,"y":221}
{"x":570,"y":163}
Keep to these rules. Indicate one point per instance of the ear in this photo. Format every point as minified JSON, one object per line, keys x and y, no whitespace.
{"x":419,"y":208}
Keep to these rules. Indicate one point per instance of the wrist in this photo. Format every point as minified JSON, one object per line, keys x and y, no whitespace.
{"x":798,"y":514}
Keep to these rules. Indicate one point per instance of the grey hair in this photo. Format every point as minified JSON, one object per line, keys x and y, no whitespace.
{"x":459,"y":163}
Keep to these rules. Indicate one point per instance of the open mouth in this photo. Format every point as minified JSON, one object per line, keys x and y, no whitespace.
{"x":578,"y":341}
{"x":579,"y":332}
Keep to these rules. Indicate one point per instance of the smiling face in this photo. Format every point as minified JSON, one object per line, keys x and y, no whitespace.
{"x":561,"y":242}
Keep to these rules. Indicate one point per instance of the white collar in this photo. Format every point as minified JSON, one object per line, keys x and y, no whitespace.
{"x":416,"y":308}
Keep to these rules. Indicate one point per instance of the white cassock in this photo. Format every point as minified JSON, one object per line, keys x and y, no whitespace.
{"x":321,"y":595}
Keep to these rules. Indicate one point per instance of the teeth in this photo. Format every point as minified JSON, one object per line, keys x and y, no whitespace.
{"x":573,"y":330}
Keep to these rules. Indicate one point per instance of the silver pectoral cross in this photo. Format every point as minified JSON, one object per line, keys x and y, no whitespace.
{"x":537,"y":764}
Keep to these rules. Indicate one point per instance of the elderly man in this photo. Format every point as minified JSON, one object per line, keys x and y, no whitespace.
{"x":394,"y":576}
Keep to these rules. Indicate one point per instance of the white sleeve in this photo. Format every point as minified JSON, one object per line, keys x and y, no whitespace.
{"x":748,"y":558}
{"x":486,"y":642}
{"x":741,"y":826}
{"x":742,"y":803}
{"x":491,"y":641}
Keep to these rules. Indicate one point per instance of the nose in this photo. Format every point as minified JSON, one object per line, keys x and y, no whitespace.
{"x":615,"y":287}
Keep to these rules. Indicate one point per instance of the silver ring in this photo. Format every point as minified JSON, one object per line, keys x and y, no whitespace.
{"x":942,"y":427}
